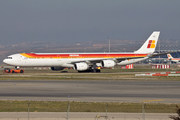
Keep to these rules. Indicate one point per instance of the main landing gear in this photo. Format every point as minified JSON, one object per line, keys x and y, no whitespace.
{"x":91,"y":70}
{"x":96,"y":70}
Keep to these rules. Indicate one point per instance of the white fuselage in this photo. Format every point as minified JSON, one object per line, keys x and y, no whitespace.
{"x":177,"y":60}
{"x":22,"y":61}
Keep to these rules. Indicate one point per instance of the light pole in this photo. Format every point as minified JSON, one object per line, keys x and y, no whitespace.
{"x":28,"y":109}
{"x":106,"y":111}
{"x":143,"y":110}
{"x":109,"y":44}
{"x":68,"y":111}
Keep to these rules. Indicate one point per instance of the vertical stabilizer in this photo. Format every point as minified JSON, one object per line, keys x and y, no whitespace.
{"x":150,"y":45}
{"x":169,"y":56}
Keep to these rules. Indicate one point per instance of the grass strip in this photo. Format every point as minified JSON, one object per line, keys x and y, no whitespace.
{"x":61,"y":106}
{"x":88,"y":77}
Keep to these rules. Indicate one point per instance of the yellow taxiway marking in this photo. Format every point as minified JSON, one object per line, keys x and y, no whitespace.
{"x":153,"y":100}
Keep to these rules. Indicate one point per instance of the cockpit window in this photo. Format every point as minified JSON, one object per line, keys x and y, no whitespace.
{"x":9,"y":58}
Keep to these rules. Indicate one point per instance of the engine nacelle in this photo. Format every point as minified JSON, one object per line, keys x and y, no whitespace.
{"x":81,"y":66}
{"x":57,"y":68}
{"x":108,"y":63}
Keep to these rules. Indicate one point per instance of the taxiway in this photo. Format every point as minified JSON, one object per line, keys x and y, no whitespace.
{"x":102,"y":91}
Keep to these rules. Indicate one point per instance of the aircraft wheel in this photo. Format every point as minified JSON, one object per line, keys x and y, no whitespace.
{"x":93,"y":70}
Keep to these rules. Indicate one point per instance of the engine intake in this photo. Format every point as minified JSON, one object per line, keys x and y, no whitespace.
{"x":81,"y":66}
{"x":108,"y":63}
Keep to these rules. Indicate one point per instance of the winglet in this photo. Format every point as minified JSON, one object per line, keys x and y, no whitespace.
{"x":150,"y":45}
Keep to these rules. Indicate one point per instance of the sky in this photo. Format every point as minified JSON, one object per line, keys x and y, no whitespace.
{"x":74,"y":21}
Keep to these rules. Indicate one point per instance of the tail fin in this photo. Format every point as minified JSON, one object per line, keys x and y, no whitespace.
{"x":150,"y":45}
{"x":169,"y":56}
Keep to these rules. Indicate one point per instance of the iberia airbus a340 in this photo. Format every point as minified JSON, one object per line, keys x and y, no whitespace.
{"x":84,"y":61}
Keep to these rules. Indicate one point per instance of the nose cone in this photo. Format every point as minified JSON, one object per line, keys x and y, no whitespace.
{"x":5,"y":61}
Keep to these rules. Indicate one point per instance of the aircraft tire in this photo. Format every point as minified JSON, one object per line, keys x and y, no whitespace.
{"x":93,"y":70}
{"x":85,"y":71}
{"x":21,"y":71}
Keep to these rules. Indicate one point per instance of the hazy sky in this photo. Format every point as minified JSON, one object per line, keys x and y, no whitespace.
{"x":87,"y":20}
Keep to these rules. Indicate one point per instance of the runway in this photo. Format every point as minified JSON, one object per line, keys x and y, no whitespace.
{"x":106,"y":91}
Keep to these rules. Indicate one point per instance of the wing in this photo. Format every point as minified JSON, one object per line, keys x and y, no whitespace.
{"x":98,"y":60}
{"x":89,"y":61}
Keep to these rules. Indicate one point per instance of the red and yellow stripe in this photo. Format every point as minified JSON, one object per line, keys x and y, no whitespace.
{"x":73,"y":55}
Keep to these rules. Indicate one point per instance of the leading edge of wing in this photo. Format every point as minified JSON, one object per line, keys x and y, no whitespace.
{"x":101,"y":59}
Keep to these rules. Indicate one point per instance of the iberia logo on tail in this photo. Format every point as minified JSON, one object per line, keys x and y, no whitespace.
{"x":151,"y":44}
{"x":168,"y":55}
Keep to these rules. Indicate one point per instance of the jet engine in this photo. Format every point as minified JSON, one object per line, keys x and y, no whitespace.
{"x":108,"y":63}
{"x":57,"y":68}
{"x":81,"y":66}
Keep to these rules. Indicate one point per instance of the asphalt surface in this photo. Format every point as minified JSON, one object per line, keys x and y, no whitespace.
{"x":82,"y":116}
{"x":115,"y":91}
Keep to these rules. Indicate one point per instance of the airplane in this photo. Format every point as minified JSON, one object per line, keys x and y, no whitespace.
{"x":84,"y":62}
{"x":177,"y":60}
